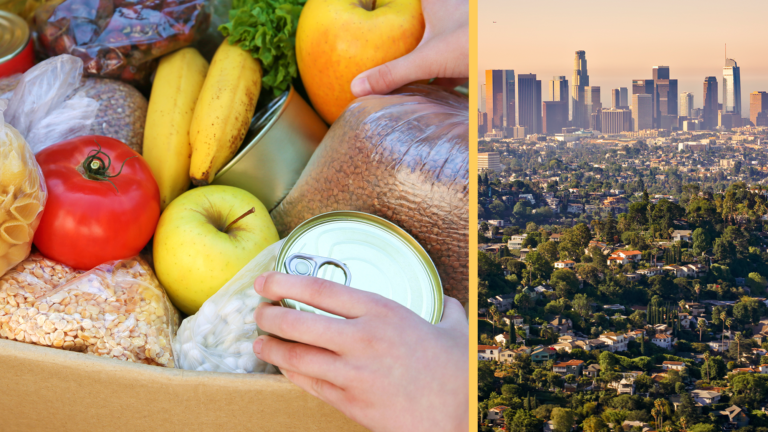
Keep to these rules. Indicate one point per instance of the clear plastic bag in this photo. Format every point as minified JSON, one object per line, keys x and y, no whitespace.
{"x":116,"y":310}
{"x":22,"y":195}
{"x":120,"y":38}
{"x":403,"y":157}
{"x":42,"y":107}
{"x":219,"y":337}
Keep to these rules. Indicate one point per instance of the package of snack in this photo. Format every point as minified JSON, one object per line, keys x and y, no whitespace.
{"x":403,"y":157}
{"x":116,"y":310}
{"x":22,"y":195}
{"x":120,"y":38}
{"x":219,"y":337}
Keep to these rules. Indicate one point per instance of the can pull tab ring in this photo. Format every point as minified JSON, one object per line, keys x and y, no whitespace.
{"x":308,"y":265}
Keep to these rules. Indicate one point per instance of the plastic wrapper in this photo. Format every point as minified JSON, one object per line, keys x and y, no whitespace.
{"x":116,"y":310}
{"x":403,"y":157}
{"x":120,"y":38}
{"x":121,"y":112}
{"x":22,"y":195}
{"x":219,"y":337}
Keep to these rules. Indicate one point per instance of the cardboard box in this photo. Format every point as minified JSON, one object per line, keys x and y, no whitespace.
{"x":46,"y":389}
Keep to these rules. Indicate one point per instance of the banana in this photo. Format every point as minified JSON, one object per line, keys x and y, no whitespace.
{"x":178,"y":81}
{"x":223,"y":111}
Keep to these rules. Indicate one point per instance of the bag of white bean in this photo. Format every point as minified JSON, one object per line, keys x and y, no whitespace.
{"x":219,"y":337}
{"x":116,"y":310}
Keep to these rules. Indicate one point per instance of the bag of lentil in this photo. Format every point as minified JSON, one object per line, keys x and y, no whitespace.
{"x":219,"y":337}
{"x":116,"y":310}
{"x":403,"y":157}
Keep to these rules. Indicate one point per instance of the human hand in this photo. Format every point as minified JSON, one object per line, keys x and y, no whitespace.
{"x":384,"y":367}
{"x":443,"y":53}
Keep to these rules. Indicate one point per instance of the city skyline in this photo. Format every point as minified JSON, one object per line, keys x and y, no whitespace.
{"x":615,"y":60}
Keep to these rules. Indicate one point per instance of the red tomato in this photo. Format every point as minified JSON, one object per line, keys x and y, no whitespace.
{"x":87,"y":222}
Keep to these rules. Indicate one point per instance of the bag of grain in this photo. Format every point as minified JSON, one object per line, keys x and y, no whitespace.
{"x":116,"y":310}
{"x":404,"y":157}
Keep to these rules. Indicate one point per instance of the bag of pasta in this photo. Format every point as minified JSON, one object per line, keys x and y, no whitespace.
{"x":117,"y":310}
{"x":22,"y":195}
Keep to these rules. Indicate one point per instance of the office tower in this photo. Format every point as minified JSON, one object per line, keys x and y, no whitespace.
{"x":579,"y":116}
{"x":488,"y":161}
{"x":643,"y":86}
{"x":482,"y":126}
{"x":642,"y":111}
{"x":592,"y":102}
{"x":481,"y":106}
{"x":519,"y":132}
{"x":758,"y":103}
{"x":660,"y":72}
{"x":529,"y":96}
{"x":710,"y":103}
{"x":555,"y":117}
{"x":732,"y":88}
{"x":615,"y":98}
{"x":686,"y":104}
{"x":664,"y":93}
{"x":615,"y":121}
{"x":696,"y":112}
{"x":558,"y":89}
{"x":594,"y":120}
{"x":669,"y":122}
{"x":500,"y":99}
{"x":624,"y":97}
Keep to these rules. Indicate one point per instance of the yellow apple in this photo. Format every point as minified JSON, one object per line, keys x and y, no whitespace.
{"x":204,"y":237}
{"x":336,"y":40}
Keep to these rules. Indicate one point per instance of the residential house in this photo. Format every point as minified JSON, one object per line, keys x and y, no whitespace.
{"x":565,"y":264}
{"x":688,"y":270}
{"x":628,"y":425}
{"x":663,"y":340}
{"x":696,"y":309}
{"x":650,"y":272}
{"x":507,"y":356}
{"x":719,"y":346}
{"x":575,"y":208}
{"x":705,"y":397}
{"x":556,"y":237}
{"x":488,"y":352}
{"x":516,"y":241}
{"x":528,"y":197}
{"x":614,"y":307}
{"x":561,"y":324}
{"x":570,"y":367}
{"x":515,"y":319}
{"x":682,"y":235}
{"x":630,"y":256}
{"x":503,"y":338}
{"x":592,"y":371}
{"x":496,"y":414}
{"x":615,"y":342}
{"x":673,"y":365}
{"x":735,"y":416}
{"x":633,"y":277}
{"x":626,"y":386}
{"x":543,"y":354}
{"x":686,"y":320}
{"x":503,"y":302}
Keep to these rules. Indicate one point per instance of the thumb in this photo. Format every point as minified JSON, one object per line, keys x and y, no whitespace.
{"x":454,"y":315}
{"x":390,"y":76}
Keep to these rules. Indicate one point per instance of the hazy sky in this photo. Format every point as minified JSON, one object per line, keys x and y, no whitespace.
{"x":623,"y":40}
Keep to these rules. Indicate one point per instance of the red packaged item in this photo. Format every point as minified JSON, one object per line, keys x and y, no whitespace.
{"x":121,"y":38}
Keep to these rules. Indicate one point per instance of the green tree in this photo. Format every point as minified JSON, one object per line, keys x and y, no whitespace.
{"x":594,"y":424}
{"x":563,"y":419}
{"x":549,"y":251}
{"x":580,"y":304}
{"x":701,"y":241}
{"x":522,"y":421}
{"x":565,"y":282}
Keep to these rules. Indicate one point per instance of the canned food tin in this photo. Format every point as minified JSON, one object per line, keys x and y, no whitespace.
{"x":16,"y":51}
{"x":365,"y":252}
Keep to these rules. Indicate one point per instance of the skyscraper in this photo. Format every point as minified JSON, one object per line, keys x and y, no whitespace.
{"x":555,"y":117}
{"x":710,"y":103}
{"x":686,"y":104}
{"x":482,"y":98}
{"x":500,"y":99}
{"x":643,"y":86}
{"x":615,"y":98}
{"x":579,"y":116}
{"x":758,"y":104}
{"x":624,"y":97}
{"x":529,"y":94}
{"x":592,"y":102}
{"x":615,"y":121}
{"x":642,"y":111}
{"x":732,"y":88}
{"x":558,"y":89}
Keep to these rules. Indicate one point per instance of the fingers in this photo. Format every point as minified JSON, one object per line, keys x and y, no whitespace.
{"x":325,"y":332}
{"x":299,"y":358}
{"x":318,"y":388}
{"x":320,"y":293}
{"x":389,"y":76}
{"x":454,"y":315}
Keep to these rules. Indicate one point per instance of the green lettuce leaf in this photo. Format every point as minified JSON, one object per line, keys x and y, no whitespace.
{"x":267,"y":29}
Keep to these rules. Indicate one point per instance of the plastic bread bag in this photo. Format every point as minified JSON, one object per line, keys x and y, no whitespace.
{"x":116,"y":310}
{"x":219,"y":337}
{"x":41,"y":108}
{"x":120,"y":38}
{"x":22,"y":195}
{"x":403,"y":157}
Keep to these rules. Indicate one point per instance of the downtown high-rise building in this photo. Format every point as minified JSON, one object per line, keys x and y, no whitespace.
{"x":624,"y":97}
{"x":642,"y":111}
{"x":555,"y":117}
{"x":732,"y":88}
{"x":615,"y":98}
{"x":615,"y":121}
{"x":665,"y":94}
{"x":710,"y":103}
{"x":529,"y":102}
{"x":642,"y":87}
{"x":592,"y":102}
{"x":758,"y":108}
{"x":558,"y":89}
{"x":500,"y":100}
{"x":579,"y":114}
{"x":686,"y":104}
{"x":481,"y":105}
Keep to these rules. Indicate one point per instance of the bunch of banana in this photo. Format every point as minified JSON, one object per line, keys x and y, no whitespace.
{"x":198,"y":115}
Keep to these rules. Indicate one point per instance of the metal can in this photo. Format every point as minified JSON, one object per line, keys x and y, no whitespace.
{"x":16,"y":50}
{"x":365,"y":252}
{"x":280,"y":141}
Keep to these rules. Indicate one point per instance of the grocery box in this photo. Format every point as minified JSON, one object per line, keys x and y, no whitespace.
{"x":50,"y":389}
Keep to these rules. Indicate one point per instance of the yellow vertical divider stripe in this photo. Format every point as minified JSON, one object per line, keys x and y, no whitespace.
{"x":473,"y":101}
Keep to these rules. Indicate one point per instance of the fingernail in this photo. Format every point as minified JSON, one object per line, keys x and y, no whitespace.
{"x":257,"y":346}
{"x":361,"y":87}
{"x":259,"y":284}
